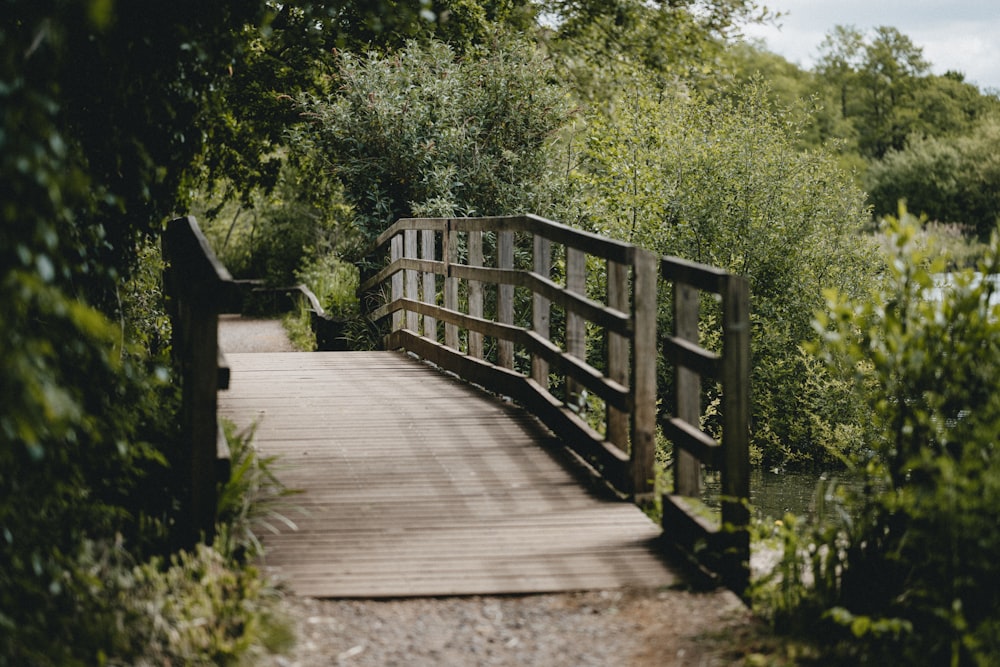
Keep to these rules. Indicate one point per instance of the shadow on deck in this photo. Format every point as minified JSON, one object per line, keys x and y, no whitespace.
{"x":418,"y":484}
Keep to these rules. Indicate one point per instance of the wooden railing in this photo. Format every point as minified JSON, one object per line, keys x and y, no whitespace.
{"x":727,"y":544}
{"x":503,"y":303}
{"x":199,"y":288}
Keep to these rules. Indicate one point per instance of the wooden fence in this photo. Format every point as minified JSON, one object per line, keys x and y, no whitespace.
{"x":522,"y":334}
{"x":565,"y":323}
{"x":726,"y":544}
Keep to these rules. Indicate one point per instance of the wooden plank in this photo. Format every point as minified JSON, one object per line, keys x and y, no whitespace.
{"x":397,"y":280}
{"x":687,"y":385}
{"x":505,"y":297}
{"x":451,"y":286}
{"x":418,"y":484}
{"x":576,"y":326}
{"x":643,"y":435}
{"x":475,"y":242}
{"x":429,"y":281}
{"x":618,"y":354}
{"x":411,"y":276}
{"x":541,"y":308}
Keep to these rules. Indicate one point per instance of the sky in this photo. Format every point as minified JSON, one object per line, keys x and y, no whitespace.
{"x":961,"y":35}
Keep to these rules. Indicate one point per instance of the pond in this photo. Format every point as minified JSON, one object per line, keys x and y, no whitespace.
{"x":776,"y":493}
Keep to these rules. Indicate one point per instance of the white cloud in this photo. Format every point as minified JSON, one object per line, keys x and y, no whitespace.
{"x":960,"y":36}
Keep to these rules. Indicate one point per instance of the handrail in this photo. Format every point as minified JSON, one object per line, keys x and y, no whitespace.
{"x":434,"y":265}
{"x":728,"y":542}
{"x":199,"y":288}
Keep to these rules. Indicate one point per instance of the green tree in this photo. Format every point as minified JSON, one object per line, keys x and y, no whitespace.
{"x":725,"y":184}
{"x":420,"y":132}
{"x":949,"y":179}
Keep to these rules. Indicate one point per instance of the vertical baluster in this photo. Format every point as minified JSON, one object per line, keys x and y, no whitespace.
{"x":618,"y":353}
{"x":687,"y":468}
{"x":395,"y":254}
{"x":475,"y":293}
{"x":541,"y":308}
{"x":429,"y":282}
{"x":410,"y":252}
{"x":576,"y":326}
{"x":451,"y":285}
{"x":505,"y":296}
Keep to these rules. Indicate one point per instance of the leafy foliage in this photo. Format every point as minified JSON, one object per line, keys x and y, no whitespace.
{"x":949,"y":179}
{"x":902,"y":576}
{"x":725,"y":184}
{"x":421,"y":133}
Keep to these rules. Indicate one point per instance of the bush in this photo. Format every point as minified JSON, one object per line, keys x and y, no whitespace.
{"x":948,"y":179}
{"x":903,"y":574}
{"x":725,"y":184}
{"x":421,"y":133}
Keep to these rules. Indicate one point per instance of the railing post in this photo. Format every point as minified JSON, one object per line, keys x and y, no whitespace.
{"x":475,"y":293}
{"x":396,"y":253}
{"x":450,"y":284}
{"x":576,"y":326}
{"x":541,"y":308}
{"x":736,"y":427}
{"x":410,"y":251}
{"x":644,"y":354}
{"x":429,"y":282}
{"x":687,"y":386}
{"x":505,"y":296}
{"x":618,"y":353}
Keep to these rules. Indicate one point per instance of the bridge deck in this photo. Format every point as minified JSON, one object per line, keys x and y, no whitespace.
{"x":416,"y":484}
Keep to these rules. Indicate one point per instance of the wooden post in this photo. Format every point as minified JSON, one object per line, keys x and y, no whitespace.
{"x":618,"y":354}
{"x":430,"y":283}
{"x":687,"y":385}
{"x":475,"y":293}
{"x":541,"y":308}
{"x":644,"y":354}
{"x":505,"y":296}
{"x":736,"y":428}
{"x":201,"y":391}
{"x":576,"y":326}
{"x":451,"y":285}
{"x":410,"y":251}
{"x":396,"y":253}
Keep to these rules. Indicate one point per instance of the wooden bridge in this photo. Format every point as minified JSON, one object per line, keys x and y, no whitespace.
{"x":496,"y":449}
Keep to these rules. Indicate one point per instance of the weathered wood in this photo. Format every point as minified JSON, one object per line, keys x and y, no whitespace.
{"x":540,"y":307}
{"x":418,"y":484}
{"x":643,"y":446}
{"x":505,"y":297}
{"x":475,"y":241}
{"x":427,"y":251}
{"x":735,"y":429}
{"x":576,"y":326}
{"x":396,"y":253}
{"x":618,"y":353}
{"x":451,"y":286}
{"x":199,"y":288}
{"x":687,"y":384}
{"x":410,"y":276}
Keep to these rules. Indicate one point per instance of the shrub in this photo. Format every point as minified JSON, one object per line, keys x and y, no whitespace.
{"x":725,"y":184}
{"x":902,"y":576}
{"x":422,"y":133}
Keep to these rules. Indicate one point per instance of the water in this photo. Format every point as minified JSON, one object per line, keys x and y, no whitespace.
{"x":774,"y":494}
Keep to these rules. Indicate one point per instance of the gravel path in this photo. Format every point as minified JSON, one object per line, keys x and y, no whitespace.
{"x":631,"y":628}
{"x":243,"y":334}
{"x":615,"y":628}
